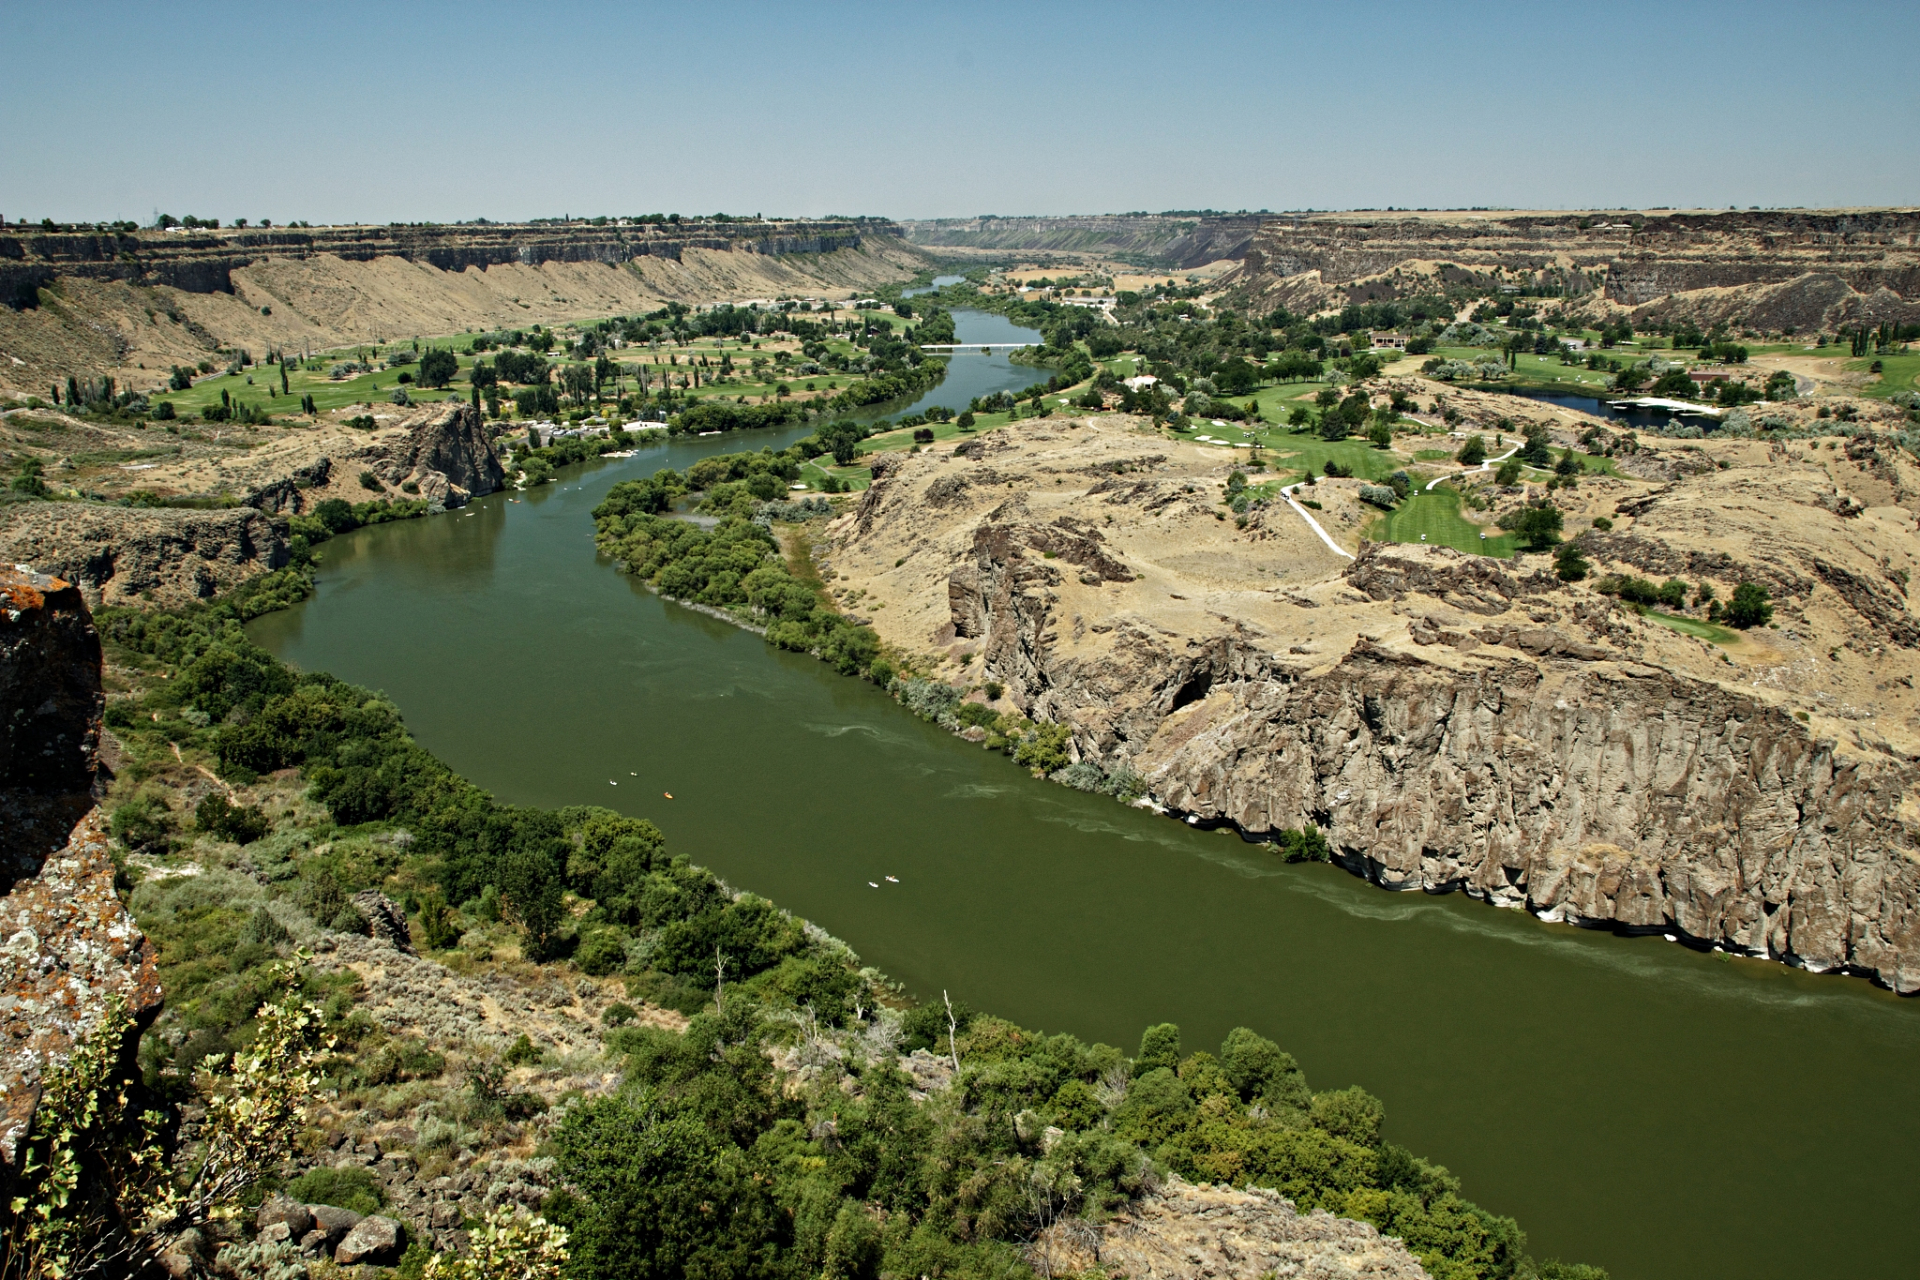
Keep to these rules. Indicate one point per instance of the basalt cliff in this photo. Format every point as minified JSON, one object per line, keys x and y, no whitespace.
{"x":133,"y":304}
{"x":211,"y":515}
{"x":1451,"y":721}
{"x":1167,"y":241}
{"x":1764,"y":269}
{"x":67,"y":945}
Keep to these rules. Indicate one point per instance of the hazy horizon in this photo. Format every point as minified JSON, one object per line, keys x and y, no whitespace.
{"x":370,"y":115}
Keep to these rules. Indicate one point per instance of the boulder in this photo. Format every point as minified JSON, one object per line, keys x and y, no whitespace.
{"x":284,"y":1211}
{"x":375,"y":1240}
{"x":386,"y":922}
{"x":330,"y":1224}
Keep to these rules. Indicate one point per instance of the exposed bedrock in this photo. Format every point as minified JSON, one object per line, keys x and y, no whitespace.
{"x":1551,"y":772}
{"x":1771,"y":269}
{"x":122,"y":555}
{"x":67,"y":945}
{"x":446,"y":452}
{"x":204,"y":261}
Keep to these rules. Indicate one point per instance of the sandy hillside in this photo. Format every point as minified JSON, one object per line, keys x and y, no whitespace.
{"x":135,"y":333}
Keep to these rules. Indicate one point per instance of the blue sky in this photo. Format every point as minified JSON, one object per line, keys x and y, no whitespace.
{"x":398,"y":112}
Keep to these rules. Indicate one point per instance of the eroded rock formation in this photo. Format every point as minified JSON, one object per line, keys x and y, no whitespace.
{"x":1456,"y":722}
{"x":1771,"y":269}
{"x":445,"y":452}
{"x":67,"y":945}
{"x":120,"y":555}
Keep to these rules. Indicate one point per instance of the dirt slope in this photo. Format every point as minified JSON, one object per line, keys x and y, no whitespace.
{"x":134,"y":328}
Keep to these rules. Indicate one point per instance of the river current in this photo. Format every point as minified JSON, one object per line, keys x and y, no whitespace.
{"x":1663,"y":1113}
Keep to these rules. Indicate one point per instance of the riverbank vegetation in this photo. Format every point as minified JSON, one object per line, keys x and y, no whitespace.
{"x":779,"y":1133}
{"x":734,"y":566}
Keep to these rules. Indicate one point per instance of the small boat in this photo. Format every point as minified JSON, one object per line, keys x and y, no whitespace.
{"x":872,"y":885}
{"x":612,"y":783}
{"x":893,"y":880}
{"x":667,"y":794}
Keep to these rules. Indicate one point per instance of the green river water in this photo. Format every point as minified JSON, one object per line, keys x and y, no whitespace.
{"x":1635,"y":1104}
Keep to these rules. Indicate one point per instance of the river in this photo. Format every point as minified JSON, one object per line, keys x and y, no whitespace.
{"x":1643,"y":419}
{"x":1663,"y":1113}
{"x":971,"y":371}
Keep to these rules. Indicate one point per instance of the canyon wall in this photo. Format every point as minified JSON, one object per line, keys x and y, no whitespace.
{"x":1561,"y":776}
{"x":1453,"y":722}
{"x":1768,"y":269}
{"x":203,"y":261}
{"x":134,"y":305}
{"x":170,"y":556}
{"x":1161,"y":240}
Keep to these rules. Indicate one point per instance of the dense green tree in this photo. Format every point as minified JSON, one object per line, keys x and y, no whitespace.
{"x":1537,"y":525}
{"x":1750,"y":607}
{"x":1159,"y":1047}
{"x":1473,"y":452}
{"x":663,"y":1196}
{"x":437,"y":367}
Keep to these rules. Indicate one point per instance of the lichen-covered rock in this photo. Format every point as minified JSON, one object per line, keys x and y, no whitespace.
{"x":1185,"y":1230}
{"x":67,"y":944}
{"x":375,"y":1240}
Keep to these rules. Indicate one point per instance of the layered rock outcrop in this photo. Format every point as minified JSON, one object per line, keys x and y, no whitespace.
{"x":204,"y":261}
{"x":123,"y":555}
{"x":1165,"y":240}
{"x":1771,"y":269}
{"x":67,"y":945}
{"x":445,"y":453}
{"x":1457,"y":722}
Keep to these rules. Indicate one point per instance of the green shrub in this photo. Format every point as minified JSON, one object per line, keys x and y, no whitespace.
{"x":1308,"y":844}
{"x":522,"y":1052}
{"x":348,"y":1188}
{"x":241,"y":824}
{"x":144,"y":824}
{"x":1750,"y":607}
{"x":1043,"y":748}
{"x":601,"y":953}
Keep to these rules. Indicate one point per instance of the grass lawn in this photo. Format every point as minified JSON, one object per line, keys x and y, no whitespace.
{"x":1546,"y":371}
{"x":1900,"y":371}
{"x":1693,"y":627}
{"x":1296,"y":451}
{"x":1436,"y":514}
{"x":1279,"y":399}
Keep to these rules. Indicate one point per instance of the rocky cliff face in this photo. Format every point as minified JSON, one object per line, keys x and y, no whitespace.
{"x":204,"y":261}
{"x":122,"y":555}
{"x":132,"y":306}
{"x":1785,"y":268}
{"x":446,"y":452}
{"x":67,"y":945}
{"x":1457,"y":722}
{"x":1163,"y":240}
